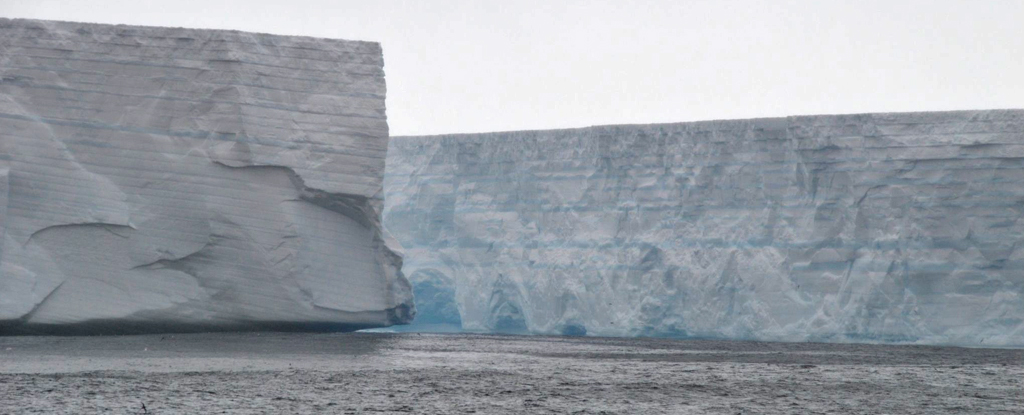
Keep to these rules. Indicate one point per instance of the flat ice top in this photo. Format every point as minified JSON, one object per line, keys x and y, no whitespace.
{"x":124,"y":30}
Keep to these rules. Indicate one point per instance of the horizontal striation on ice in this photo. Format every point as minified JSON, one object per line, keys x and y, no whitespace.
{"x":177,"y":179}
{"x":871,"y":227}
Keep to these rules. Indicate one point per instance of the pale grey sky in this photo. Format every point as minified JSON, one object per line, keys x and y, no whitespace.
{"x":473,"y":66}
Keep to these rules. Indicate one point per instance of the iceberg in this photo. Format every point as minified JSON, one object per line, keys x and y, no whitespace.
{"x":846,"y":228}
{"x":166,"y":179}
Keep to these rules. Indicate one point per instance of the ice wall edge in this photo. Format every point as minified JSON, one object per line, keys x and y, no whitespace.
{"x":167,"y":179}
{"x":900,"y":227}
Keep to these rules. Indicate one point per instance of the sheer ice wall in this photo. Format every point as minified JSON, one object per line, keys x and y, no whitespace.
{"x":164,"y":179}
{"x":874,"y":227}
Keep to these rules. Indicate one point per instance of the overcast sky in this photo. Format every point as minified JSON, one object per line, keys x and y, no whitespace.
{"x":473,"y":66}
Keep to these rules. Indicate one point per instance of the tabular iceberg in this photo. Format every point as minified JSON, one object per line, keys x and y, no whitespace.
{"x":175,"y":179}
{"x":872,"y":227}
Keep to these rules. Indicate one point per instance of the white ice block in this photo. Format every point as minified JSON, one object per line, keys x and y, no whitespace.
{"x":159,"y":179}
{"x":871,"y":227}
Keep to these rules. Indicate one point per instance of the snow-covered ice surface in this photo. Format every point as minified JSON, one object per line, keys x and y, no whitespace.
{"x":239,"y":373}
{"x":175,"y":179}
{"x":868,"y":228}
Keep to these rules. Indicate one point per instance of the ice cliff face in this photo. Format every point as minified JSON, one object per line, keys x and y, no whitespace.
{"x":163,"y":179}
{"x":875,"y":227}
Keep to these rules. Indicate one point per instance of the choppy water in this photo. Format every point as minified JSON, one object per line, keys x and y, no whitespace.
{"x":458,"y":373}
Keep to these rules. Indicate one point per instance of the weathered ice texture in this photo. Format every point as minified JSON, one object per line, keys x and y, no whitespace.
{"x":175,"y":179}
{"x":873,"y":227}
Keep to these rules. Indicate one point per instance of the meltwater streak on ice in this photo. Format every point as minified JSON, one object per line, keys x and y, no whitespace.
{"x":162,"y":179}
{"x":869,"y":227}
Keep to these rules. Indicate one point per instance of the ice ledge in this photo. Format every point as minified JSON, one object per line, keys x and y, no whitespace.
{"x":843,"y":228}
{"x":180,"y":179}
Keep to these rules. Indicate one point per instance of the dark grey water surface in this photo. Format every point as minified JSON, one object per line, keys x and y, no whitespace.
{"x":459,"y":373}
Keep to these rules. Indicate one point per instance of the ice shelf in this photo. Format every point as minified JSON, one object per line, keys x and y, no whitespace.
{"x":871,"y":227}
{"x":156,"y":179}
